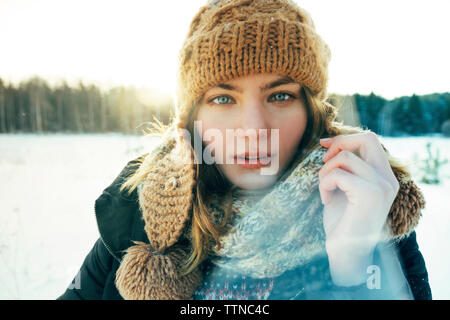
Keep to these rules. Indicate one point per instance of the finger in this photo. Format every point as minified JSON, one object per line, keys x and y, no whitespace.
{"x":366,"y":144}
{"x":349,"y":183}
{"x":350,"y":162}
{"x":355,"y":189}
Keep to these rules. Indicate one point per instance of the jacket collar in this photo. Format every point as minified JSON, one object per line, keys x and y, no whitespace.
{"x":118,"y":217}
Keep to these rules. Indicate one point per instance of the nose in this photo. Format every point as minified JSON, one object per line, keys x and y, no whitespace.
{"x":254,"y":117}
{"x":254,"y":131}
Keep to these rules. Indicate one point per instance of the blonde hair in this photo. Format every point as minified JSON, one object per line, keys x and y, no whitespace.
{"x":320,"y":124}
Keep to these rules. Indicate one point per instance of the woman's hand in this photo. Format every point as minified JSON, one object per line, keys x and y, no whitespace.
{"x":357,"y":191}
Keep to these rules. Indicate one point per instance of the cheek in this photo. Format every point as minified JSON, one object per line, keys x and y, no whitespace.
{"x":291,"y":125}
{"x":212,"y":130}
{"x":291,"y":132}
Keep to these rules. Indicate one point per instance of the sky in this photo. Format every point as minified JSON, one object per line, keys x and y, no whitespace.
{"x":391,"y":48}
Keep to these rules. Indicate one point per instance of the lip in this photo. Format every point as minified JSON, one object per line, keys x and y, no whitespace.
{"x":253,"y":154}
{"x":256,"y":163}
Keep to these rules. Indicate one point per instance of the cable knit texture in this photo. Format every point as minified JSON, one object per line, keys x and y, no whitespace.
{"x":229,"y":39}
{"x":235,"y":38}
{"x":150,"y":271}
{"x":279,"y":232}
{"x":173,"y":196}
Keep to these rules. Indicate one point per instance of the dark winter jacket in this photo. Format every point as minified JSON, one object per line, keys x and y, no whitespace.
{"x":120,"y":221}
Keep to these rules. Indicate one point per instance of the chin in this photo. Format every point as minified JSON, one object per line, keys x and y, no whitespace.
{"x":254,"y":181}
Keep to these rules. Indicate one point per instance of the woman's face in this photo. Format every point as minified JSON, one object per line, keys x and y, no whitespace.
{"x":242,"y":108}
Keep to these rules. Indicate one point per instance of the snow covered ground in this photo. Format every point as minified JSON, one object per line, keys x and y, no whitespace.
{"x":49,"y":184}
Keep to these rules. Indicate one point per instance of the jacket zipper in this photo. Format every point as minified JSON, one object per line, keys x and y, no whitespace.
{"x":103,"y":240}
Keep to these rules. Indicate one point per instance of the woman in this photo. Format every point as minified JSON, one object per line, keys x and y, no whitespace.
{"x":264,"y":209}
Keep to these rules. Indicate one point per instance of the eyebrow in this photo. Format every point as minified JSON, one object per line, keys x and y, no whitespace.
{"x":271,"y":85}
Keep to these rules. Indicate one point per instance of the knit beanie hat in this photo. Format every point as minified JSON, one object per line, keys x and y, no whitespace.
{"x":227,"y":39}
{"x":235,"y":38}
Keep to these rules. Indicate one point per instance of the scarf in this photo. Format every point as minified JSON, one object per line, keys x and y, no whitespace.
{"x":280,"y":231}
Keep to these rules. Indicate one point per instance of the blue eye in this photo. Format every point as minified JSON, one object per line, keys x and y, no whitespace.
{"x":280,"y":97}
{"x":221,"y":100}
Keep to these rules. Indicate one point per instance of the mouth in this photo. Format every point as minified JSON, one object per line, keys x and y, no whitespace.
{"x":253,"y":161}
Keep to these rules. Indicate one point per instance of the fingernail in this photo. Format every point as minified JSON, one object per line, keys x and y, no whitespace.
{"x":325,"y":139}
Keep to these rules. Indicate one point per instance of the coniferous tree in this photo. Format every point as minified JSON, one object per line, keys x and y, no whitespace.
{"x":35,"y":106}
